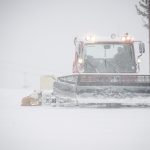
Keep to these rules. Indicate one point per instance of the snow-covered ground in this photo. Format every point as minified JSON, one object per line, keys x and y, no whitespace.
{"x":51,"y":128}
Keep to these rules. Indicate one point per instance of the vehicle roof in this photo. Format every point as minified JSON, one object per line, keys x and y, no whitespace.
{"x":110,"y":42}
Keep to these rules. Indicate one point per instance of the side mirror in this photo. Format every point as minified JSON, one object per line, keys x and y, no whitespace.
{"x":141,"y":48}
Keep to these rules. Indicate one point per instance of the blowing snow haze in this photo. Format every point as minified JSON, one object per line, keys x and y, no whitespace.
{"x":36,"y":37}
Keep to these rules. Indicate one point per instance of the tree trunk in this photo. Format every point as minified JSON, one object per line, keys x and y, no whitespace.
{"x":149,"y":33}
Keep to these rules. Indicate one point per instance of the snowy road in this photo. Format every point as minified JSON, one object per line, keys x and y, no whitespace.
{"x":47,"y":128}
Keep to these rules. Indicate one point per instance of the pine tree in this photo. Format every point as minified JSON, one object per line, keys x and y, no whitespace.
{"x":143,"y":10}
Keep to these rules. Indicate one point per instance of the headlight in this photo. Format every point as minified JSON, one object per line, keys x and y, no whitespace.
{"x":139,"y":60}
{"x":123,"y":38}
{"x":90,"y":38}
{"x":127,"y":38}
{"x":93,"y":39}
{"x":80,"y":60}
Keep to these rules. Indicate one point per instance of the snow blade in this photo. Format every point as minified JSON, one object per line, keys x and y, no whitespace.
{"x":102,"y":88}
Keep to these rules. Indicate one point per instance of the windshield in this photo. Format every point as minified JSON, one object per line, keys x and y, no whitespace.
{"x":109,"y":58}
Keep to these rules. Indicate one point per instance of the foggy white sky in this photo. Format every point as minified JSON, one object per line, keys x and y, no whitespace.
{"x":37,"y":36}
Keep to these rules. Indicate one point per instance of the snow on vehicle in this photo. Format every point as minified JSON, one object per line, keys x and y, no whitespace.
{"x":48,"y":97}
{"x":105,"y":72}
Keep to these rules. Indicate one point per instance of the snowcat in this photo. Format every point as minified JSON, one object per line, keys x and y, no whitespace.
{"x":105,"y":73}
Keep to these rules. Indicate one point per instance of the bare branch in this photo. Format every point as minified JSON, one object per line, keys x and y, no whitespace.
{"x":143,"y":10}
